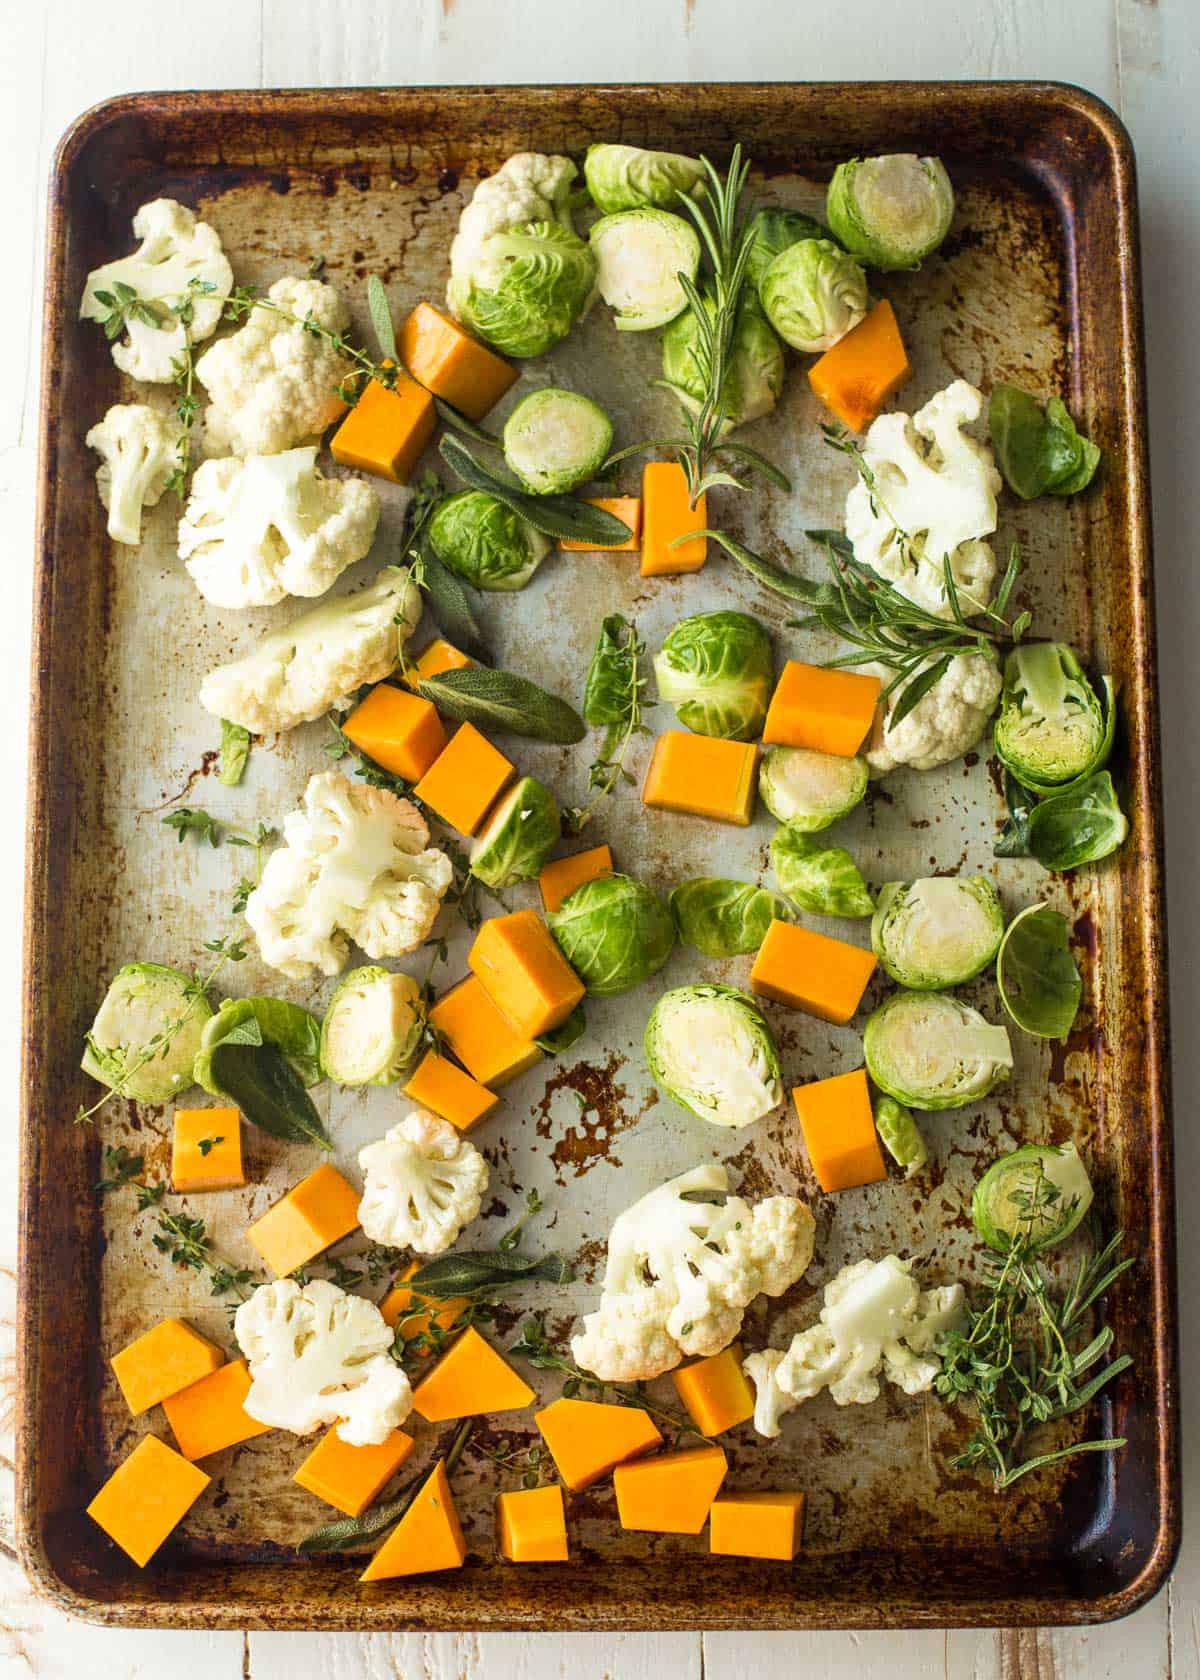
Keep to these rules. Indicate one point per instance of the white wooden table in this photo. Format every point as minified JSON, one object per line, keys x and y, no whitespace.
{"x":1143,"y":56}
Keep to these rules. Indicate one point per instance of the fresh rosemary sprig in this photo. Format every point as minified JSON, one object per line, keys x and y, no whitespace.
{"x":534,"y":1345}
{"x":614,"y":699}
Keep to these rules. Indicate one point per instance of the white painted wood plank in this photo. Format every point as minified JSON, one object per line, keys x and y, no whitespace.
{"x":493,"y":1656}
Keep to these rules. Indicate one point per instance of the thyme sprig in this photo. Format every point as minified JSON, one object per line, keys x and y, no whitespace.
{"x":186,"y":1242}
{"x":243,"y":299}
{"x":535,"y":1345}
{"x":614,"y":699}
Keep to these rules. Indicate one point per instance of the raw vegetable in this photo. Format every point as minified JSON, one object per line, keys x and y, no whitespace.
{"x":715,"y":1392}
{"x":753,"y":377}
{"x":558,"y":880}
{"x":470,"y":1379}
{"x":670,"y":1493}
{"x":289,"y":1029}
{"x":398,"y":731}
{"x":560,"y":1039}
{"x":1035,"y":1196}
{"x":475,"y":1031}
{"x":862,"y":370}
{"x":949,"y":701}
{"x":451,"y":365}
{"x":161,"y":1361}
{"x":822,"y":879}
{"x":613,"y":700}
{"x":711,"y":1051}
{"x":520,"y":833}
{"x":715,"y":669}
{"x":554,"y":516}
{"x":900,"y":1135}
{"x":810,"y":790}
{"x":839,"y":1131}
{"x":556,"y":439}
{"x":1041,"y":453}
{"x":206,"y":1150}
{"x":757,"y":1525}
{"x":723,"y":918}
{"x":702,"y":776}
{"x":1080,"y":825}
{"x":813,"y":294}
{"x":485,"y":542}
{"x":464,"y":780}
{"x":810,"y":971}
{"x":642,"y":257}
{"x":628,"y":509}
{"x":937,"y":932}
{"x":673,"y":527}
{"x":235,"y":751}
{"x":531,"y":1525}
{"x":386,"y":430}
{"x":587,"y":1438}
{"x":931,"y":1052}
{"x":351,"y":1478}
{"x":423,"y":1183}
{"x":147,"y":1031}
{"x":438,"y":1085}
{"x":148,"y":1494}
{"x":524,"y":973}
{"x":1036,"y":975}
{"x":139,"y":454}
{"x":772,"y":231}
{"x":614,"y":932}
{"x":891,"y":211}
{"x":824,"y":710}
{"x":428,"y":1535}
{"x":372,"y":1027}
{"x":631,"y":178}
{"x":1053,"y":730}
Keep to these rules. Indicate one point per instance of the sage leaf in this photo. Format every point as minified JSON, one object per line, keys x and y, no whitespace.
{"x":235,"y":750}
{"x":459,"y":423}
{"x":381,"y":318}
{"x":503,"y":700}
{"x":771,"y":576}
{"x":1036,"y":973}
{"x":261,"y":1081}
{"x":556,"y":516}
{"x":481,"y":1273}
{"x":449,"y":603}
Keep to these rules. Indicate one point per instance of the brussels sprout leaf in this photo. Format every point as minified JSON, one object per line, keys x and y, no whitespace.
{"x":1036,"y":973}
{"x":235,"y":750}
{"x":1082,"y":825}
{"x":1039,"y":453}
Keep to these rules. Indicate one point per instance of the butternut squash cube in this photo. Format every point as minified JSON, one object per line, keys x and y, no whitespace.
{"x":146,"y":1496}
{"x":206,"y":1150}
{"x":586,"y":1439}
{"x":716,"y":1391}
{"x":667,"y":516}
{"x":465,"y":780}
{"x":478,"y":1034}
{"x":453,"y":365}
{"x":169,"y":1357}
{"x":757,"y":1525}
{"x":428,"y":1536}
{"x":316,"y":1213}
{"x":703,"y":776}
{"x":439,"y":656}
{"x":863,"y":369}
{"x":559,"y":879}
{"x":348,"y":1478}
{"x":522,"y":970}
{"x":445,"y":1089}
{"x":628,"y":508}
{"x":810,"y":971}
{"x":531,"y":1526}
{"x":386,"y":430}
{"x":412,"y":1318}
{"x":471,"y":1378}
{"x":670,"y":1493}
{"x":828,"y":711}
{"x":398,"y":730}
{"x":839,"y":1131}
{"x":211,"y":1415}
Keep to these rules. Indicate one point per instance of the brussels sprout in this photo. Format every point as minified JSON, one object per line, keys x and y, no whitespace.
{"x":372,"y":1027}
{"x":715,"y":669}
{"x":519,"y":835}
{"x":772,"y":231}
{"x":1037,"y":1194}
{"x":484,"y":541}
{"x":614,"y":932}
{"x":810,"y":790}
{"x":937,"y":932}
{"x":1039,"y":453}
{"x":555,"y":439}
{"x":629,"y":178}
{"x":640,"y":255}
{"x":900,"y":1135}
{"x":125,"y":1050}
{"x":753,"y":371}
{"x":1081,"y":824}
{"x":892,"y":211}
{"x":526,"y":288}
{"x":813,"y":294}
{"x":823,"y":879}
{"x":930,"y":1051}
{"x":292,"y":1030}
{"x":1036,"y":975}
{"x":711,"y":1050}
{"x":724,"y":918}
{"x":1053,"y":729}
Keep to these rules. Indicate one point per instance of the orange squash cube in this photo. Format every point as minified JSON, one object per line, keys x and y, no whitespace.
{"x":810,"y":971}
{"x":628,"y":508}
{"x":828,"y":711}
{"x":480,"y":1036}
{"x":670,"y":1493}
{"x":386,"y":430}
{"x":446,"y":1090}
{"x":524,"y":973}
{"x":316,"y":1213}
{"x":428,"y":1536}
{"x":559,"y":879}
{"x":206,"y":1150}
{"x":702,"y":776}
{"x":863,"y":369}
{"x":452,"y":364}
{"x":839,"y":1131}
{"x":439,"y":656}
{"x":348,"y":1478}
{"x":161,"y":1362}
{"x":667,"y":516}
{"x":465,"y":780}
{"x":147,"y":1496}
{"x":471,"y":1378}
{"x":398,"y":730}
{"x":531,"y":1526}
{"x":587,"y":1438}
{"x":757,"y":1525}
{"x":716,"y":1391}
{"x":211,"y":1415}
{"x":412,"y":1319}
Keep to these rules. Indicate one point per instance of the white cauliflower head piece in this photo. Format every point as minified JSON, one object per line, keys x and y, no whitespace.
{"x":297,"y":673}
{"x":139,"y":454}
{"x":423,"y":1183}
{"x":273,"y":383}
{"x":179,"y":262}
{"x":317,"y":1356}
{"x":260,"y":527}
{"x":944,"y":724}
{"x":355,"y":864}
{"x":529,"y":187}
{"x":771,"y":1404}
{"x":682,"y":1271}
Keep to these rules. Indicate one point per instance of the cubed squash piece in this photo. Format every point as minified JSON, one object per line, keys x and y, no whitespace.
{"x":348,"y":1478}
{"x":439,"y":656}
{"x":428,"y":1536}
{"x":453,"y":365}
{"x":211,"y":1415}
{"x":628,"y":508}
{"x":586,"y":1439}
{"x":522,"y":970}
{"x":863,"y":369}
{"x":828,"y":711}
{"x":716,"y":1391}
{"x":470,"y":1378}
{"x":478,"y":1034}
{"x":316,"y":1213}
{"x":147,"y":1495}
{"x":386,"y":430}
{"x":810,"y":971}
{"x":670,"y":1493}
{"x":702,"y":776}
{"x":169,"y":1357}
{"x":414,"y":1318}
{"x":757,"y":1525}
{"x":839,"y":1131}
{"x":446,"y":1090}
{"x":206,"y":1150}
{"x":465,"y":780}
{"x":559,"y":879}
{"x":531,"y":1525}
{"x":666,"y":516}
{"x":398,"y":730}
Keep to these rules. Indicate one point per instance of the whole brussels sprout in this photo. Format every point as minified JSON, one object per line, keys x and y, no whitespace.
{"x":715,"y":669}
{"x":711,"y":1050}
{"x":372,"y":1027}
{"x":937,"y":932}
{"x":1053,"y":729}
{"x":753,"y":371}
{"x":519,"y":835}
{"x":930,"y":1051}
{"x":485,"y":542}
{"x":822,"y":879}
{"x":555,"y":439}
{"x":293,"y":1031}
{"x":526,"y":287}
{"x":640,"y":255}
{"x":810,"y":790}
{"x":614,"y":932}
{"x":773,"y":230}
{"x":142,"y":1000}
{"x":813,"y":294}
{"x":724,"y":918}
{"x":631,"y":178}
{"x":900,"y":1135}
{"x":1039,"y":1193}
{"x":890,"y":211}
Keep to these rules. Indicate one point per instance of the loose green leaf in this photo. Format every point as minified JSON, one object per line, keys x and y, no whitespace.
{"x":556,"y":516}
{"x":562,"y":1038}
{"x":260,"y":1080}
{"x":1013,"y":839}
{"x":1080,"y":826}
{"x":120,"y":1167}
{"x":1039,"y":983}
{"x":459,"y":423}
{"x":450,"y":604}
{"x":1039,"y":452}
{"x":766,"y":572}
{"x":235,"y":750}
{"x":186,"y":821}
{"x":481,"y":1273}
{"x":503,"y":700}
{"x":381,"y":319}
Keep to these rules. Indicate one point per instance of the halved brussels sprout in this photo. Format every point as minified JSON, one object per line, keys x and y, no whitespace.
{"x":930,"y":1051}
{"x":823,"y":879}
{"x":772,"y":231}
{"x":1053,"y":729}
{"x":143,"y":1000}
{"x":526,"y":288}
{"x":519,"y":835}
{"x":890,"y":211}
{"x":640,"y":255}
{"x":900,"y":1135}
{"x":810,"y":790}
{"x":630,"y":178}
{"x":724,"y":918}
{"x":715,"y":669}
{"x":485,"y":542}
{"x":813,"y":294}
{"x":293,"y":1031}
{"x":1038,"y":1193}
{"x":937,"y":932}
{"x":753,"y":371}
{"x":372,"y":1027}
{"x":614,"y":932}
{"x":555,"y":439}
{"x":711,"y":1050}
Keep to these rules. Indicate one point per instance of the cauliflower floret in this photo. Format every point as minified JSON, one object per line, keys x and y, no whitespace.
{"x":933,"y":495}
{"x":423,"y":1183}
{"x":529,"y":187}
{"x":273,"y":384}
{"x":944,"y":724}
{"x":771,"y":1404}
{"x":295,"y":674}
{"x":682,"y":1272}
{"x":354,"y":865}
{"x":176,"y":250}
{"x":318,"y":1356}
{"x":139,"y":451}
{"x":259,"y":527}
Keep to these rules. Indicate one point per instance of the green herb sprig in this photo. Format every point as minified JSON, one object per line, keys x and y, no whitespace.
{"x":614,"y":699}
